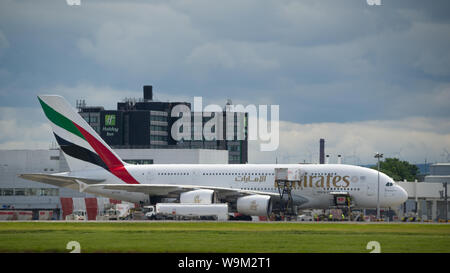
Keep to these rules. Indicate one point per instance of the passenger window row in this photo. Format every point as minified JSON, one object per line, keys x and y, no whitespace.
{"x":268,"y":189}
{"x":259,"y":189}
{"x":338,"y":189}
{"x":239,"y":174}
{"x":173,"y":173}
{"x":222,"y":174}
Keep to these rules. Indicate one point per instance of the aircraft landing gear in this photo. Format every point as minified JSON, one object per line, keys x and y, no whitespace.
{"x":285,"y":191}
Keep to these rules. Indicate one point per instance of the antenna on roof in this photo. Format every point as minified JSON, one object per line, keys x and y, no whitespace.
{"x":80,"y":104}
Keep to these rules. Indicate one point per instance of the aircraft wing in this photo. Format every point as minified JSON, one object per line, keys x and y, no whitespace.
{"x":169,"y":190}
{"x":60,"y":180}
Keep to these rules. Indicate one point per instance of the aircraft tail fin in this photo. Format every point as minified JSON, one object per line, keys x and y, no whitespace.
{"x":82,"y":146}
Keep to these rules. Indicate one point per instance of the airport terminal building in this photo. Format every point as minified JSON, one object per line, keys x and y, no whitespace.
{"x":429,"y":199}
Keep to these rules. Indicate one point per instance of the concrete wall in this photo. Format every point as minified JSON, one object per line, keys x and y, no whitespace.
{"x":424,"y":200}
{"x":422,"y":190}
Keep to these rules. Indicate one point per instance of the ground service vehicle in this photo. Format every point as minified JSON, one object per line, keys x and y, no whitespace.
{"x":77,"y":215}
{"x":163,"y":211}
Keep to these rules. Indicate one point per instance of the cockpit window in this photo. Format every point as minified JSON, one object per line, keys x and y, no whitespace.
{"x":389,"y":184}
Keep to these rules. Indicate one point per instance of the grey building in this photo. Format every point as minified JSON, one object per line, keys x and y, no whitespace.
{"x":427,"y":199}
{"x":17,"y":193}
{"x":91,"y":115}
{"x":439,"y":172}
{"x":146,"y":124}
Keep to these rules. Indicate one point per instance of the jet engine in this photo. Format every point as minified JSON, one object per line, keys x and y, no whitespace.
{"x":255,"y":205}
{"x":198,"y":197}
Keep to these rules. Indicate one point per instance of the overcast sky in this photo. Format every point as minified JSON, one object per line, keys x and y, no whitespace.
{"x":365,"y":78}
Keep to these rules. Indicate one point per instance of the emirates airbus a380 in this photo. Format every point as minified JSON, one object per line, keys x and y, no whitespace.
{"x":250,"y":188}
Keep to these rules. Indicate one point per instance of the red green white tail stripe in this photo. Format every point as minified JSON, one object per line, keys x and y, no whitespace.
{"x":79,"y":141}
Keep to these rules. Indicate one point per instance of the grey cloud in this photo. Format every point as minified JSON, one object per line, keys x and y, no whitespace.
{"x":3,"y":42}
{"x":137,"y":43}
{"x":24,"y":128}
{"x":321,"y":61}
{"x":289,"y":22}
{"x":415,"y":139}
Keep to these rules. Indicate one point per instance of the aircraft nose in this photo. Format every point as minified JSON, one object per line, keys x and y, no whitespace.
{"x":403,"y":194}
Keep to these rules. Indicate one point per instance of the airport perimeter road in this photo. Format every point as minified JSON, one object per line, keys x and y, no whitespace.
{"x":236,"y":237}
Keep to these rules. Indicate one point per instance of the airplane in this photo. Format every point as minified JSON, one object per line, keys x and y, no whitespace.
{"x":251,"y":189}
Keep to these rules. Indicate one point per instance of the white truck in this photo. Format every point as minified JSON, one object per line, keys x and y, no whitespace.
{"x":163,"y":211}
{"x":77,"y":215}
{"x":309,"y":215}
{"x":116,"y":212}
{"x":124,"y":210}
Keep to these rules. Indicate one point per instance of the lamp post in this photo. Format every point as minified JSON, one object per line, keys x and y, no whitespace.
{"x":378,"y":156}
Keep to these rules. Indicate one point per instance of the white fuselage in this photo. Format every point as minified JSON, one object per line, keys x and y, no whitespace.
{"x":313,"y":191}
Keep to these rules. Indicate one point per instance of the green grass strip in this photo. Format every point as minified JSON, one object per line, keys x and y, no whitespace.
{"x":223,"y":237}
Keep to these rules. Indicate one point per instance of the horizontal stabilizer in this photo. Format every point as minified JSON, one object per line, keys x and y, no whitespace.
{"x":60,"y":180}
